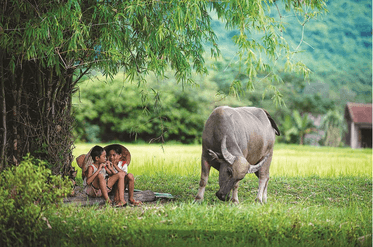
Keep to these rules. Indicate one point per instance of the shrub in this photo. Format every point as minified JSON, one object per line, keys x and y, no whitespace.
{"x":26,"y":191}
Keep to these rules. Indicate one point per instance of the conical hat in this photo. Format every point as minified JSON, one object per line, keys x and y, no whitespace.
{"x":126,"y":155}
{"x":84,"y":161}
{"x":80,"y":160}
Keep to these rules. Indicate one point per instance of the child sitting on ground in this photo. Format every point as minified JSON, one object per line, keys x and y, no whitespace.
{"x":98,"y":183}
{"x":120,"y":167}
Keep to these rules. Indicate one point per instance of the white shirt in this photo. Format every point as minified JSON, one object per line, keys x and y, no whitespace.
{"x":123,"y":166}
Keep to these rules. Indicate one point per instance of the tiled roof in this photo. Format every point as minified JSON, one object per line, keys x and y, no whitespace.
{"x":360,"y":113}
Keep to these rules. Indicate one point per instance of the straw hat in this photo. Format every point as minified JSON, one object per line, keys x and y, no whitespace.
{"x":84,"y":161}
{"x":80,"y":160}
{"x":126,"y":155}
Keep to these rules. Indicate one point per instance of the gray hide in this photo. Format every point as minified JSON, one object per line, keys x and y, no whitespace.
{"x":237,"y":141}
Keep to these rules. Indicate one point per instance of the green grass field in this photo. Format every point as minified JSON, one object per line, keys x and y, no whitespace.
{"x":288,"y":160}
{"x":316,"y":197}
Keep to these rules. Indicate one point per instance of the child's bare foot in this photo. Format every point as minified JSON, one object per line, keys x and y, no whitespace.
{"x":120,"y":204}
{"x":135,"y":203}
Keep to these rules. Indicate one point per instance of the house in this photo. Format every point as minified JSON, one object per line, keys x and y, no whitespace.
{"x":359,"y":121}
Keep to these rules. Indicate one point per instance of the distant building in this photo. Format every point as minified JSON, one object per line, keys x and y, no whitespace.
{"x":359,"y":120}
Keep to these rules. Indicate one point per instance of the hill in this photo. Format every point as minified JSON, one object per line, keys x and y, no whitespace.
{"x":337,"y":47}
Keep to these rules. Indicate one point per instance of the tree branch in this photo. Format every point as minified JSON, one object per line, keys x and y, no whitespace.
{"x":82,"y":74}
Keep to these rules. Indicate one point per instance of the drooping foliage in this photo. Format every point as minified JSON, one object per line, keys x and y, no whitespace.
{"x":337,"y":47}
{"x":47,"y":46}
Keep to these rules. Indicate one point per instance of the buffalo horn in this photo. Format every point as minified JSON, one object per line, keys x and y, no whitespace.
{"x":255,"y":168}
{"x":226,"y":154}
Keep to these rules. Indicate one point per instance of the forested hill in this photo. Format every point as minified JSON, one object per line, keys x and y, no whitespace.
{"x":337,"y":47}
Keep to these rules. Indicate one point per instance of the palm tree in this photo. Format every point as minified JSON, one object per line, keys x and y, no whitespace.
{"x":303,"y":124}
{"x":289,"y":131}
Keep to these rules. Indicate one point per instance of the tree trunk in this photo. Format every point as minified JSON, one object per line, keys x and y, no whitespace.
{"x":36,"y":114}
{"x":301,"y":142}
{"x":3,"y":125}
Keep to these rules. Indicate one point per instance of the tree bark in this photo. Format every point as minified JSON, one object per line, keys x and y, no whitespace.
{"x":301,"y":142}
{"x":3,"y":160}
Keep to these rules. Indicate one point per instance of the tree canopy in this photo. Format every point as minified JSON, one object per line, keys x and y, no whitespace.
{"x":46,"y":47}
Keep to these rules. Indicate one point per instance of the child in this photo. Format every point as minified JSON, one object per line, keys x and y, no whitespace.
{"x":120,"y":167}
{"x":98,"y":183}
{"x":116,"y":158}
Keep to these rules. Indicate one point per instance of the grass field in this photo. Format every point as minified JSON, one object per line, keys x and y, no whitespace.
{"x":288,"y":160}
{"x":317,"y":197}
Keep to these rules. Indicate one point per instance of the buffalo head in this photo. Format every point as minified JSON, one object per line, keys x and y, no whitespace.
{"x":232,"y":169}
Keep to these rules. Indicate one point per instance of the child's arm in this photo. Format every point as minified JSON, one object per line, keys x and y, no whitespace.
{"x":91,"y":177}
{"x":118,"y":169}
{"x":125,"y":161}
{"x":109,"y":168}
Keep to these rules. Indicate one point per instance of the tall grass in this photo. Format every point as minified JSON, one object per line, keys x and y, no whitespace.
{"x":288,"y":160}
{"x":153,"y":159}
{"x":294,"y":161}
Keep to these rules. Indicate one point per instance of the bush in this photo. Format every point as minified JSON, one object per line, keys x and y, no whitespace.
{"x":26,"y":191}
{"x":153,"y":112}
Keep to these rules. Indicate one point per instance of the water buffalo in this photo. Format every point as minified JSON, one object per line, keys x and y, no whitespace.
{"x":236,"y":141}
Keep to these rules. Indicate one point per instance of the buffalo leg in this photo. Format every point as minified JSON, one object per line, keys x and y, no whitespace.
{"x":265,"y":191}
{"x":259,"y":197}
{"x":235,"y":193}
{"x":263,"y":175}
{"x":205,"y":172}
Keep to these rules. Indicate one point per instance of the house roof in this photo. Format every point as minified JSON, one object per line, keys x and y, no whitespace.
{"x":360,"y":113}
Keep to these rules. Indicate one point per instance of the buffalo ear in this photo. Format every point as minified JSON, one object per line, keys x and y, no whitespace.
{"x":215,"y":156}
